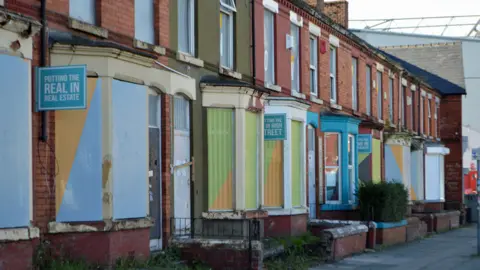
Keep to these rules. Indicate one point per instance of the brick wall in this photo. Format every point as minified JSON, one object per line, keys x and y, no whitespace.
{"x":450,"y":125}
{"x":337,"y":11}
{"x":17,"y":255}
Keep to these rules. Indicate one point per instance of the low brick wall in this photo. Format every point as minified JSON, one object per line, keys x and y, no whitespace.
{"x":341,"y":240}
{"x":391,"y":233}
{"x":18,"y":247}
{"x":17,"y":255}
{"x":285,"y":225}
{"x":440,"y":222}
{"x":317,"y":225}
{"x":222,"y":254}
{"x":416,"y":229}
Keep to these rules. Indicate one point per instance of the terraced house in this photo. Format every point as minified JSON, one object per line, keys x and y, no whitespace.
{"x":202,"y":119}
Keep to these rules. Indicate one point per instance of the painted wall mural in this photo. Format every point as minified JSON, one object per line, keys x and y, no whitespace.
{"x":78,"y":146}
{"x":15,"y":142}
{"x":130,"y":150}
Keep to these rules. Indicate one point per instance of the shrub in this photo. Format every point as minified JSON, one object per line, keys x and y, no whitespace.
{"x":383,"y":202}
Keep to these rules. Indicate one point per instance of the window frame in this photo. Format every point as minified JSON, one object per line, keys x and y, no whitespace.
{"x":229,"y":11}
{"x":412,"y":105}
{"x":92,"y":20}
{"x":368,"y":90}
{"x":314,"y":66}
{"x":352,"y":179}
{"x":151,"y":39}
{"x":333,"y":74}
{"x":422,"y":114}
{"x":429,"y":113}
{"x":295,"y":64}
{"x":355,"y":84}
{"x":338,"y":167}
{"x":269,"y":52}
{"x":391,"y":86}
{"x":403,"y":103}
{"x":190,"y":4}
{"x":379,"y":95}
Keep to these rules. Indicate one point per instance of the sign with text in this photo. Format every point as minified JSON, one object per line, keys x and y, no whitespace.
{"x":275,"y":127}
{"x":61,"y":88}
{"x":364,"y":143}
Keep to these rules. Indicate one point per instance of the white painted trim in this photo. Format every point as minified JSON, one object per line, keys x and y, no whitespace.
{"x":404,"y":82}
{"x":334,"y":41}
{"x":295,"y":19}
{"x":438,"y":150}
{"x":423,"y":93}
{"x":413,"y":87}
{"x":271,"y":5}
{"x":314,"y":29}
{"x":8,"y":37}
{"x":18,"y":234}
{"x":2,"y":3}
{"x":287,"y":212}
{"x":429,"y":96}
{"x":115,"y":63}
{"x":437,"y":100}
{"x":380,"y":67}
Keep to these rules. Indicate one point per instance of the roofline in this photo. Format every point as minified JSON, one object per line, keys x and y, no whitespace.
{"x":414,"y":35}
{"x":358,"y":40}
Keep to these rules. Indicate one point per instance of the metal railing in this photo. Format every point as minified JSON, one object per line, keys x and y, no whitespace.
{"x":240,"y":229}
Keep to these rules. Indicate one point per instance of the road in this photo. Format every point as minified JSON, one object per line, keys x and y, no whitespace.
{"x":452,"y":250}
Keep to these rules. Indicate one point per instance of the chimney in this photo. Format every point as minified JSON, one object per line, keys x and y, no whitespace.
{"x":337,"y":11}
{"x":320,"y":5}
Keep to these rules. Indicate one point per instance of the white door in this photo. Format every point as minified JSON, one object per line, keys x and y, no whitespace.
{"x":181,"y":159}
{"x":154,"y":161}
{"x":311,"y":172}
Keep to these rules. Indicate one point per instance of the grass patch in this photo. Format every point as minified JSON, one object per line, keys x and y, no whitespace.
{"x":301,"y":253}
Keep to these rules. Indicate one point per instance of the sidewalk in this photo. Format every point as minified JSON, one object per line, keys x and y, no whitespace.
{"x":451,"y":250}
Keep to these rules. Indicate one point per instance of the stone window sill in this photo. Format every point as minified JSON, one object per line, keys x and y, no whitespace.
{"x":235,"y":214}
{"x":230,"y":73}
{"x":287,"y":212}
{"x":316,"y":100}
{"x":100,"y":226}
{"x":183,"y":57}
{"x":17,"y":234}
{"x":87,"y":28}
{"x":273,"y":87}
{"x":381,"y":121}
{"x":297,"y":94}
{"x":149,"y":47}
{"x":335,"y":106}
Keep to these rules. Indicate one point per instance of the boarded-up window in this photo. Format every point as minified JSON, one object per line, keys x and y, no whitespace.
{"x":296,"y":143}
{"x":220,"y":126}
{"x":273,"y":185}
{"x":251,"y":161}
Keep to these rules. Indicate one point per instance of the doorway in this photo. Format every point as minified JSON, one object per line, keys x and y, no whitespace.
{"x":311,"y":172}
{"x":154,"y":173}
{"x":182,"y":165}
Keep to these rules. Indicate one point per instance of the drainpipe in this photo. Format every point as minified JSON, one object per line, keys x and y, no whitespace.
{"x":254,"y":64}
{"x":43,"y":63}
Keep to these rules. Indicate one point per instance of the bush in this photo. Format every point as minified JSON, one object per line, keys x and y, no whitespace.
{"x":383,"y":202}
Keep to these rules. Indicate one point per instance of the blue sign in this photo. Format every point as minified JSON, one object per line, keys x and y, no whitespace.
{"x":61,"y":88}
{"x":364,"y":143}
{"x":275,"y":127}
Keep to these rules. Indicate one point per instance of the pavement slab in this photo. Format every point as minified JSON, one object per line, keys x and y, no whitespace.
{"x":452,"y":250}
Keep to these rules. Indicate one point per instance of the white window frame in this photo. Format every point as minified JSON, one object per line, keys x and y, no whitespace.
{"x":429,"y":108}
{"x":355,"y":83}
{"x":77,"y":13}
{"x":314,"y":66}
{"x":437,"y":105}
{"x":379,"y":95}
{"x":352,"y":180}
{"x":295,"y":64}
{"x":190,"y":28}
{"x":269,"y":52}
{"x":368,"y":89}
{"x":338,"y":167}
{"x":228,"y":8}
{"x":412,"y":95}
{"x":390,"y":99}
{"x":333,"y":75}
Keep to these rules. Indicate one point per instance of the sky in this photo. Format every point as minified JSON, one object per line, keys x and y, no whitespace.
{"x":385,"y":9}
